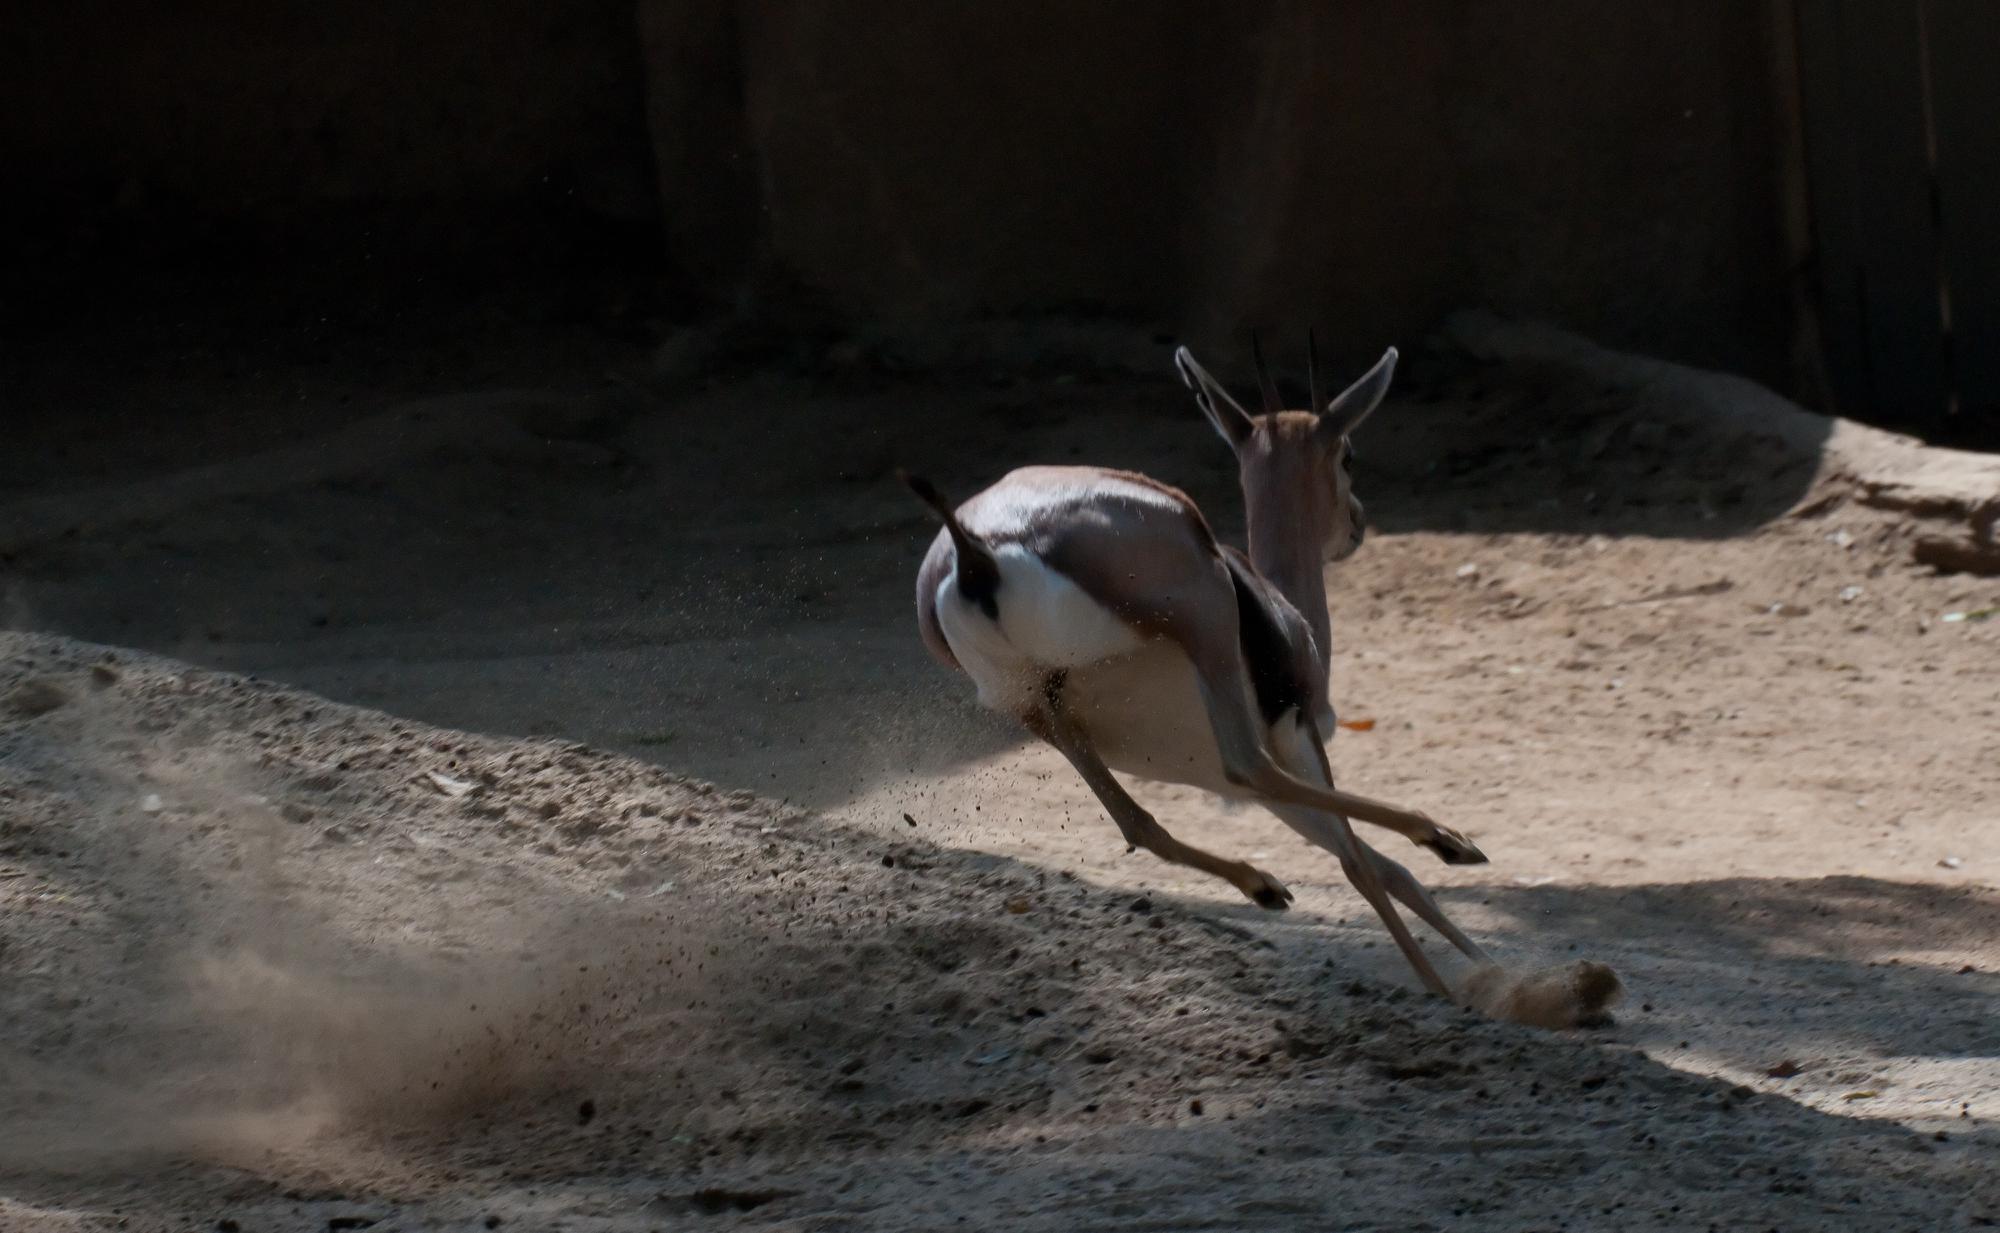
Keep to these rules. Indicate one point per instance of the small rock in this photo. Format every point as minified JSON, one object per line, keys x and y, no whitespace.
{"x":1788,"y":610}
{"x":36,"y":697}
{"x":292,"y":811}
{"x":907,"y":818}
{"x":1142,"y":905}
{"x":103,"y":675}
{"x":1849,"y":594}
{"x":1468,"y":570}
{"x":151,"y":803}
{"x":1018,"y":905}
{"x":585,"y":1112}
{"x":1952,"y":862}
{"x":1785,"y":1069}
{"x":449,"y":786}
{"x":1194,"y":1107}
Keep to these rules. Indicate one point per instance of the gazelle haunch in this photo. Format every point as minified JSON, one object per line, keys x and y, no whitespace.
{"x":1098,"y":608}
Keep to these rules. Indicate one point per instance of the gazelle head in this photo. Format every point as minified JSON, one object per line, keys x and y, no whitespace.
{"x":1296,"y":467}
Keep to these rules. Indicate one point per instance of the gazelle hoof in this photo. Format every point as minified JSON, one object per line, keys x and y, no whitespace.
{"x":1454,"y":849}
{"x":1267,"y":892}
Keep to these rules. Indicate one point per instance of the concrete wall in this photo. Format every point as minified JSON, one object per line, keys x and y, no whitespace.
{"x":1362,"y":165}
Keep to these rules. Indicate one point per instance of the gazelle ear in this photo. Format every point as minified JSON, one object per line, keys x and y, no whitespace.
{"x":1352,"y":405}
{"x":1229,"y":418}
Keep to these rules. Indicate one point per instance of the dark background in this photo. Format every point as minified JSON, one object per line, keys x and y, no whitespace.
{"x":1661,"y":177}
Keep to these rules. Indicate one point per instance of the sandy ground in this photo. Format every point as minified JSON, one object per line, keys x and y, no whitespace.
{"x":280,"y":961}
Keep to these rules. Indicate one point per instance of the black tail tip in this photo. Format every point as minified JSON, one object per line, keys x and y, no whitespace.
{"x":925,"y":490}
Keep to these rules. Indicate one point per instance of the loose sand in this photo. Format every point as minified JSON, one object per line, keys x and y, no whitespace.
{"x":277,"y":960}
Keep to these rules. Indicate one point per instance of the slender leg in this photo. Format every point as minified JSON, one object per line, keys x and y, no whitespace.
{"x":1399,"y":882}
{"x":1449,"y":846}
{"x":1305,"y":754}
{"x":1141,"y":829}
{"x":1395,"y":879}
{"x":1240,"y":736}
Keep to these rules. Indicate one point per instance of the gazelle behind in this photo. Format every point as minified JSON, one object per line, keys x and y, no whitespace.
{"x":1098,"y":608}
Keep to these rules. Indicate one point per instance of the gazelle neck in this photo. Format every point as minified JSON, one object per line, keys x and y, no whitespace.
{"x":1297,"y":569}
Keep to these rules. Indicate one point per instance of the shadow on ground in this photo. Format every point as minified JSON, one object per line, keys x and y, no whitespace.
{"x":1827,"y":972}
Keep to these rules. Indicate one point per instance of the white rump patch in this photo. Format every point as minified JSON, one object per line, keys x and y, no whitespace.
{"x":1046,"y":623}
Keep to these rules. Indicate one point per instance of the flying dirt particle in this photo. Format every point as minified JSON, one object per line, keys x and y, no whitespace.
{"x":1194,"y":1107}
{"x":907,"y":818}
{"x":585,"y":1112}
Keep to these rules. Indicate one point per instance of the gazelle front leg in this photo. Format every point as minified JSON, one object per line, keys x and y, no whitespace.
{"x":1395,"y":879}
{"x":1305,"y":755}
{"x":1140,"y":829}
{"x":1241,"y":739}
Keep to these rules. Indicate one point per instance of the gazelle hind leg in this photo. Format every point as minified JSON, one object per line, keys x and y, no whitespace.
{"x":1140,"y":828}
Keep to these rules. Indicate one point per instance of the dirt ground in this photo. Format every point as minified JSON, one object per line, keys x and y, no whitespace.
{"x":277,"y":962}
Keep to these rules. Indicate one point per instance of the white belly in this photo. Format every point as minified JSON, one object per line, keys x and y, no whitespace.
{"x":1144,"y":714}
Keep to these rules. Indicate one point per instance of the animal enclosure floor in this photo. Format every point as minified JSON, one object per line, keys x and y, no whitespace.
{"x":1690,"y":696}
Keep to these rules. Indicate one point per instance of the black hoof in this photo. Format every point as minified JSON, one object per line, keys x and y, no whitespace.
{"x":1272,"y":898}
{"x":1458,"y":851}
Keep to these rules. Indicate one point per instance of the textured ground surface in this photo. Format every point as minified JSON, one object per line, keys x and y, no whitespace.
{"x":271,"y":959}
